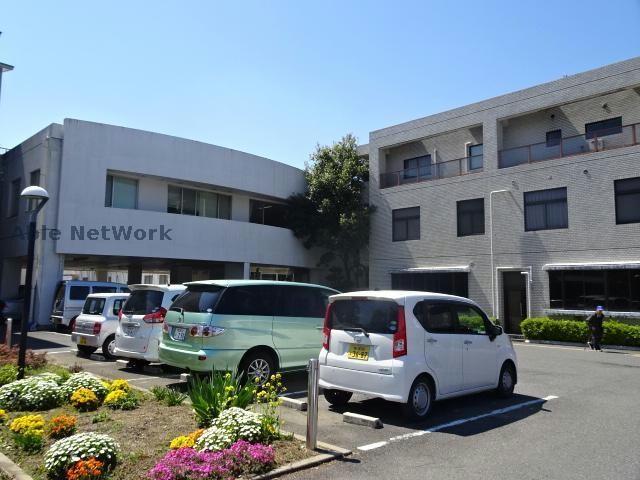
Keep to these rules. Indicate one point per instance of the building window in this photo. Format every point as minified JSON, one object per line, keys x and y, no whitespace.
{"x":475,"y":156}
{"x":452,"y":283}
{"x":14,"y":198}
{"x":163,"y":279}
{"x":627,"y":193}
{"x":554,"y":138}
{"x":471,"y":217}
{"x":121,"y":192}
{"x":418,"y":167}
{"x":34,"y":181}
{"x":616,"y":290}
{"x":546,"y":209}
{"x":267,"y":213}
{"x":603,"y":128}
{"x":406,"y":224}
{"x":187,"y":201}
{"x":147,"y":279}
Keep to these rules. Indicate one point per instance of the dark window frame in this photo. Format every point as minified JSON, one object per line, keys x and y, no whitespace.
{"x":109,"y":190}
{"x":418,"y":165}
{"x":196,"y":207}
{"x":553,"y":138}
{"x":452,"y":283}
{"x":475,"y":208}
{"x":403,"y":222}
{"x":617,"y":185}
{"x":546,"y":203}
{"x":472,"y":158}
{"x":603,"y":128}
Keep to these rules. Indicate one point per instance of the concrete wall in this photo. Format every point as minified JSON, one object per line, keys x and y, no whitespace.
{"x":592,"y":234}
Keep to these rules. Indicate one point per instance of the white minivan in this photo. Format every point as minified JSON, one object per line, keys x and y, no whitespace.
{"x":140,"y":326}
{"x":70,"y":297}
{"x":96,"y":326}
{"x":412,"y":348}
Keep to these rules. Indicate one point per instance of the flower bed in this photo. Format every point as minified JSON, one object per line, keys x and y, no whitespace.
{"x":121,"y":444}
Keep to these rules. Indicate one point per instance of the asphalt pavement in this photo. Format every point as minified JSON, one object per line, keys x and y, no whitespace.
{"x":574,"y":415}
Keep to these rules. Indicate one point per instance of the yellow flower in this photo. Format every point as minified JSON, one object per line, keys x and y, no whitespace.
{"x":119,"y":385}
{"x":84,"y":399}
{"x":3,"y":417}
{"x":278,"y":376}
{"x":115,"y":396}
{"x":28,"y":424}
{"x":227,"y":376}
{"x":181,"y":442}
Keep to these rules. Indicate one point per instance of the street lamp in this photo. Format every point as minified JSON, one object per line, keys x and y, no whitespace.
{"x":39,"y":195}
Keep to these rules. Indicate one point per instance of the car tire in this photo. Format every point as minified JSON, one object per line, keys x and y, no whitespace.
{"x":84,"y":351}
{"x":507,"y":381}
{"x":420,"y":400}
{"x":108,"y":347}
{"x":337,"y":398}
{"x":259,"y":363}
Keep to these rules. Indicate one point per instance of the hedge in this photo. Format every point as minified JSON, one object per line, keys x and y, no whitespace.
{"x":615,"y":333}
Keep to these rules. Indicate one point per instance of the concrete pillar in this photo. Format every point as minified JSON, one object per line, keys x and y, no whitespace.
{"x":134,"y":274}
{"x":181,"y":273}
{"x":492,"y":140}
{"x":246,"y":270}
{"x":101,"y":275}
{"x":48,"y":272}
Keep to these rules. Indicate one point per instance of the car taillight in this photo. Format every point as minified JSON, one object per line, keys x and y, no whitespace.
{"x":156,"y":317}
{"x":400,"y":337}
{"x":205,"y":331}
{"x":326,"y":328}
{"x":120,"y":315}
{"x":96,"y":328}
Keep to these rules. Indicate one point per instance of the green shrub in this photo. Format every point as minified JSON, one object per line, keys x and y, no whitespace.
{"x":8,"y":374}
{"x":159,"y":392}
{"x":615,"y":333}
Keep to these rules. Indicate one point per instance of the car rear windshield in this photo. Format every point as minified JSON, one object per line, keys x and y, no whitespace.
{"x":198,"y":299}
{"x":374,"y":316}
{"x":141,"y":302}
{"x":93,"y":306}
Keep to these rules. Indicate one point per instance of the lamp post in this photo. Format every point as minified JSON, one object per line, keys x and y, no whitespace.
{"x":39,"y":194}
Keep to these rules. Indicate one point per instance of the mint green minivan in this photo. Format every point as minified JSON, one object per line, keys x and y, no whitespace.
{"x":254,"y":326}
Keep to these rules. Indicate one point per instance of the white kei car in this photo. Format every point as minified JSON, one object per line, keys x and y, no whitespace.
{"x":96,"y":326}
{"x":140,"y":326}
{"x":412,"y":348}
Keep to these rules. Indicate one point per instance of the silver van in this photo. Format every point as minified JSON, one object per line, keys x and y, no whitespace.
{"x":70,"y":297}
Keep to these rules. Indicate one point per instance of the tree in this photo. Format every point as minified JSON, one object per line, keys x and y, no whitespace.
{"x":333,"y":213}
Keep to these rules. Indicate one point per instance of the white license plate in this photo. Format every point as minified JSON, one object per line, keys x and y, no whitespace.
{"x":179,"y":333}
{"x":130,"y":331}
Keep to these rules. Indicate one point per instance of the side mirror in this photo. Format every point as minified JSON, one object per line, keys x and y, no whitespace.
{"x":496,"y":331}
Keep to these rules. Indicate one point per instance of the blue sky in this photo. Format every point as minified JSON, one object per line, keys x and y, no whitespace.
{"x":275,"y":78}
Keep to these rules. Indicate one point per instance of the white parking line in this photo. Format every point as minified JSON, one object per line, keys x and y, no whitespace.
{"x":538,"y":345}
{"x":500,"y":411}
{"x":60,"y":351}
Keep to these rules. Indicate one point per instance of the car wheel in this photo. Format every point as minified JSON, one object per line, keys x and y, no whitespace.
{"x":420,"y":400}
{"x":260,"y":365}
{"x":507,"y":381}
{"x":84,"y":351}
{"x":337,"y":398}
{"x":108,"y":347}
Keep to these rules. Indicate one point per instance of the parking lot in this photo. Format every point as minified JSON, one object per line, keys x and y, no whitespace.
{"x":574,"y":415}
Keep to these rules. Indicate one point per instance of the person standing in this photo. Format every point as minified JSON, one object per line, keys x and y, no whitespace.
{"x":595,"y":328}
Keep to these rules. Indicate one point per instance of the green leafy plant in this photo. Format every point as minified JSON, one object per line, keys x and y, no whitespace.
{"x":100,"y":417}
{"x":211,"y":396}
{"x":615,"y":333}
{"x":82,"y":446}
{"x":268,"y":404}
{"x":8,"y":373}
{"x":174,"y":397}
{"x":159,"y":392}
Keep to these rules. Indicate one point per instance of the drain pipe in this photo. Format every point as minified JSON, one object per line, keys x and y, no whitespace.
{"x":493,"y":274}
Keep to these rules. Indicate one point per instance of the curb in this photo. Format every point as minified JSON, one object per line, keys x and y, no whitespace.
{"x":328,"y":452}
{"x":363,"y":420}
{"x":12,"y":469}
{"x":293,"y":403}
{"x":575,"y":344}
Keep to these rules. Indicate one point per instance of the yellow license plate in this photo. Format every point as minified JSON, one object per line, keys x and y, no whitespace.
{"x":82,"y":341}
{"x":358,"y":352}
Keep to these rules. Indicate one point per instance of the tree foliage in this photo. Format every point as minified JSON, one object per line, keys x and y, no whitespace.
{"x":333,"y":214}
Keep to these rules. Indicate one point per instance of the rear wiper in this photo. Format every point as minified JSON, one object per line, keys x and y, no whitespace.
{"x":357,"y":329}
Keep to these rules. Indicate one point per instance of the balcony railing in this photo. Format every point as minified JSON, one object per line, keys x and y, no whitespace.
{"x":433,"y":171}
{"x":599,"y":141}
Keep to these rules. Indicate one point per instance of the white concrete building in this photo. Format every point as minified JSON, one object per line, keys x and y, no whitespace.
{"x":148,"y":204}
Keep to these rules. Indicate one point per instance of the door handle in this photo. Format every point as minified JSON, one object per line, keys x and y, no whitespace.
{"x":468,"y":342}
{"x":431,"y":340}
